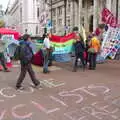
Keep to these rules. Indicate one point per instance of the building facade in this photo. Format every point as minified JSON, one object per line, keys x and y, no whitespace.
{"x":31,"y":16}
{"x":1,"y":12}
{"x":23,"y":15}
{"x":80,"y":12}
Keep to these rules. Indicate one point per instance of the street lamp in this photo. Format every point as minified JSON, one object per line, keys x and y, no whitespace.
{"x":65,"y":4}
{"x":50,"y":4}
{"x":117,"y":10}
{"x":51,"y":15}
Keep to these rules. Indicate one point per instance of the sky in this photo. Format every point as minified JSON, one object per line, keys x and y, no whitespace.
{"x":4,"y":3}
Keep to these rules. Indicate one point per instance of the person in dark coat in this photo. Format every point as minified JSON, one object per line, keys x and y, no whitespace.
{"x":79,"y":53}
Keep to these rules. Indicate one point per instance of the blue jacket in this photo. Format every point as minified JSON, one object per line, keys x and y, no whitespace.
{"x":79,"y":47}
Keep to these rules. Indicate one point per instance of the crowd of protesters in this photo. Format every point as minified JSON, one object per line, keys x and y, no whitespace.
{"x":85,"y":51}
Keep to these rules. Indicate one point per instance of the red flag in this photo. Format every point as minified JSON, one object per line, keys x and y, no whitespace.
{"x":109,"y":18}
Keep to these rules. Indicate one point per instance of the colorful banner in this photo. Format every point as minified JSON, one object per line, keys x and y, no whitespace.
{"x":111,"y":43}
{"x":9,"y":39}
{"x":63,"y":46}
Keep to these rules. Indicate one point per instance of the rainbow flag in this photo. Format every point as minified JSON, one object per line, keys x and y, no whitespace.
{"x":63,"y":46}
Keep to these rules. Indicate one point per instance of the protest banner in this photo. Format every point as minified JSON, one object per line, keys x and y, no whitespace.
{"x":62,"y":46}
{"x":111,"y":43}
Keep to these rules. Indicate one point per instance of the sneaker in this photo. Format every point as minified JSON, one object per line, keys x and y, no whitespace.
{"x":83,"y":69}
{"x":44,"y":71}
{"x":91,"y":68}
{"x":20,"y":88}
{"x":38,"y":86}
{"x":74,"y":70}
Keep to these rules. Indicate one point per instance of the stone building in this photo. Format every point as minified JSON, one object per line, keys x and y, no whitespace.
{"x":23,"y":15}
{"x":1,"y":12}
{"x":31,"y":15}
{"x":80,"y":12}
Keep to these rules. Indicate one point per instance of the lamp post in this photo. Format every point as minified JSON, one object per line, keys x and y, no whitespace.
{"x":50,"y":5}
{"x":51,"y":16}
{"x":117,"y":10}
{"x":65,"y":4}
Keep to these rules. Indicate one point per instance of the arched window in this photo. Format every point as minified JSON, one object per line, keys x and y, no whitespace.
{"x":91,"y":2}
{"x":36,"y":29}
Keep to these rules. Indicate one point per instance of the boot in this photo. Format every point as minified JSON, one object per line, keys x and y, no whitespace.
{"x":75,"y":69}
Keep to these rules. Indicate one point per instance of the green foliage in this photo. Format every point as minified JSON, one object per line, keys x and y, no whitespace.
{"x":2,"y":23}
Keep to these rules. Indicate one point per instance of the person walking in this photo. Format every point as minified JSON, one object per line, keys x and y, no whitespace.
{"x":2,"y":57}
{"x":94,"y":48}
{"x":25,"y":56}
{"x":79,"y":53}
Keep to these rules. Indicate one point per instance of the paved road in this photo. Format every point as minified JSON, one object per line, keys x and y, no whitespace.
{"x":89,"y":95}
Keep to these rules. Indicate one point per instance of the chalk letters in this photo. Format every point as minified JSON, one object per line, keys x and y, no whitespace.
{"x":69,"y":94}
{"x":19,"y":116}
{"x":43,"y":109}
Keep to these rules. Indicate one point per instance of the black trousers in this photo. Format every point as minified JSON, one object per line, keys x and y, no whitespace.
{"x":2,"y":60}
{"x":92,"y":60}
{"x":81,"y":56}
{"x":24,"y":70}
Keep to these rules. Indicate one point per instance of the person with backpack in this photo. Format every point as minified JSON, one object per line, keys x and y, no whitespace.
{"x":24,"y":53}
{"x":2,"y":56}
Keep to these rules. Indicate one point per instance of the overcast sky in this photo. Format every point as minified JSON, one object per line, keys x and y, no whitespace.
{"x":4,"y":3}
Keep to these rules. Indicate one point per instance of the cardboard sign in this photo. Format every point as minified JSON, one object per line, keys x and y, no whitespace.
{"x":111,"y":43}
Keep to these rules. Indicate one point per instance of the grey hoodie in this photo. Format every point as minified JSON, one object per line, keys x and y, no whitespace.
{"x":2,"y":46}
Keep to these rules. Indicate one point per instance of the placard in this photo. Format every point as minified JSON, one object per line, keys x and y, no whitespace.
{"x":111,"y":43}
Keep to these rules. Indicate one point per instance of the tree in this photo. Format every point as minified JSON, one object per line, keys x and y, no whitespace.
{"x":2,"y":23}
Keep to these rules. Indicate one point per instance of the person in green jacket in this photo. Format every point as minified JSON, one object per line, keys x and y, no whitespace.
{"x":2,"y":57}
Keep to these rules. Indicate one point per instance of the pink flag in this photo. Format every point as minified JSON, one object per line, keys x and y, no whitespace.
{"x":109,"y":18}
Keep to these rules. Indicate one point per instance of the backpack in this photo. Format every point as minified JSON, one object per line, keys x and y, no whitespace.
{"x":24,"y":53}
{"x":17,"y":53}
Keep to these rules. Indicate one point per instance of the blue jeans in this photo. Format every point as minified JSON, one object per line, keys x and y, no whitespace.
{"x":46,"y":61}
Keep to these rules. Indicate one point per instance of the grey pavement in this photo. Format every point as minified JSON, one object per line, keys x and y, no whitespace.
{"x":89,"y":95}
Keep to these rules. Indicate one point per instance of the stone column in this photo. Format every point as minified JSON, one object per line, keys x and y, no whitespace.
{"x":109,"y":4}
{"x":72,"y":14}
{"x":80,"y":13}
{"x":30,"y":10}
{"x":86,"y":17}
{"x":119,"y":10}
{"x":62,"y":28}
{"x":76,"y":6}
{"x":95,"y":15}
{"x":57,"y":20}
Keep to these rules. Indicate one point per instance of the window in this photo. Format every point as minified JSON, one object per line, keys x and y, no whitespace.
{"x":91,"y":2}
{"x":68,"y":22}
{"x":83,"y":21}
{"x":36,"y":29}
{"x":54,"y":26}
{"x":91,"y":23}
{"x":69,"y":7}
{"x":60,"y":21}
{"x":20,"y":14}
{"x":60,"y":10}
{"x":54,"y":12}
{"x":54,"y":22}
{"x":38,"y":12}
{"x":83,"y":3}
